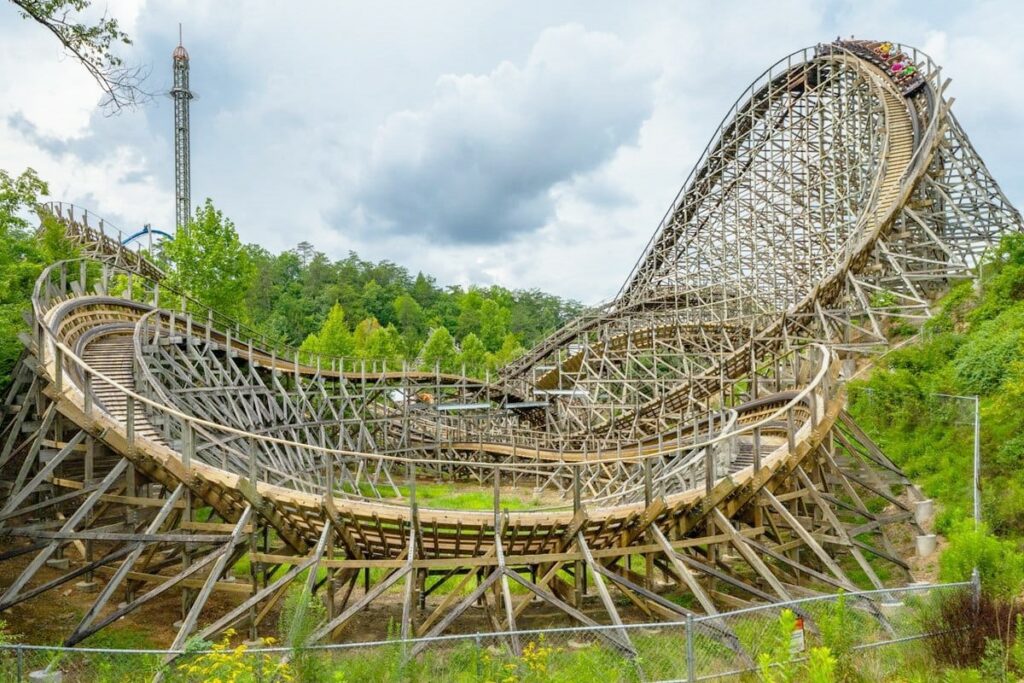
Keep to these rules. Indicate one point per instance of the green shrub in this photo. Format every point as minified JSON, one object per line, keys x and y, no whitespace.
{"x":999,"y":562}
{"x":821,"y":666}
{"x":839,"y":635}
{"x":984,"y":359}
{"x":775,"y":664}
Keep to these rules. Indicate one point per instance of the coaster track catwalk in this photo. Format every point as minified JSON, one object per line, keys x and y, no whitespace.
{"x":689,"y":436}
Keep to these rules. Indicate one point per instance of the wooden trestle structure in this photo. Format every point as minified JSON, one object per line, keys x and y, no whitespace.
{"x":691,"y":435}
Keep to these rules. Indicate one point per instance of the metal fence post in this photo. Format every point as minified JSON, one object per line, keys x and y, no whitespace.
{"x":690,"y":668}
{"x":976,"y":589}
{"x":20,"y":666}
{"x":977,"y":464}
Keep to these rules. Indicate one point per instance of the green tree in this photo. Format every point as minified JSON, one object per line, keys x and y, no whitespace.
{"x":411,"y":322}
{"x":494,"y":320}
{"x":424,"y":290}
{"x":210,"y":262}
{"x":17,"y":195}
{"x":376,"y":302}
{"x":472,"y":356}
{"x":440,"y":350}
{"x":509,"y":350}
{"x":362,"y":335}
{"x":384,"y":343}
{"x":409,"y":316}
{"x":470,"y":314}
{"x":23,"y":255}
{"x":334,"y":338}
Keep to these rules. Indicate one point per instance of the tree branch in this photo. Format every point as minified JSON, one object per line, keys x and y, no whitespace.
{"x":92,"y":45}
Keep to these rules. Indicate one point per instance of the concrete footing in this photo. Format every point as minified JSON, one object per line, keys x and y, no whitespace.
{"x":61,"y":563}
{"x":925,"y":545}
{"x":923,"y":511}
{"x":88,"y":586}
{"x":44,"y":676}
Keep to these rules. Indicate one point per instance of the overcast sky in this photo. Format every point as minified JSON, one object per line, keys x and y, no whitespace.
{"x":528,"y":144}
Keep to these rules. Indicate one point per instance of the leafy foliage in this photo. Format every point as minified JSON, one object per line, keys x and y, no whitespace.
{"x":999,"y":563}
{"x":973,"y":345}
{"x":221,"y":661}
{"x":334,"y":338}
{"x":211,"y":263}
{"x":440,"y":350}
{"x":23,"y":255}
{"x":92,"y":43}
{"x":778,"y":664}
{"x":353,"y":308}
{"x":839,"y":635}
{"x":775,"y":664}
{"x":301,"y":614}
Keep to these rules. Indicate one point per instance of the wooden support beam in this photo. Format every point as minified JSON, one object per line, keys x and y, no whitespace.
{"x":738,"y":542}
{"x":602,"y":590}
{"x":122,"y":571}
{"x":189,"y":622}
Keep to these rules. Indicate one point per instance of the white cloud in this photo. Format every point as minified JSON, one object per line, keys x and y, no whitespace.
{"x":478,"y":164}
{"x":563,"y":145}
{"x":50,"y":122}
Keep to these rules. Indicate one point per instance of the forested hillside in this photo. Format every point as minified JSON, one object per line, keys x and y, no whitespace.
{"x":350,"y":307}
{"x":357,"y":308}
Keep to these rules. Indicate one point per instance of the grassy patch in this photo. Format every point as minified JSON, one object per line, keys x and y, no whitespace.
{"x":454,"y":496}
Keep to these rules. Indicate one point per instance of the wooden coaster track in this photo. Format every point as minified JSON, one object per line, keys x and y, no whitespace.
{"x":690,"y":436}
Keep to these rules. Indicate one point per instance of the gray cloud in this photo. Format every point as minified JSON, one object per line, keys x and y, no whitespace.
{"x":477,"y":164}
{"x":341,"y":132}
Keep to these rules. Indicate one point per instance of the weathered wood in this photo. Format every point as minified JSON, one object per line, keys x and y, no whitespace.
{"x":189,"y":622}
{"x":9,"y":597}
{"x":703,"y":398}
{"x":127,"y":564}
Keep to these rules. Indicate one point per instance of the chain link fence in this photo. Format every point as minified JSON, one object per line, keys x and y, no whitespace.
{"x":864,"y":630}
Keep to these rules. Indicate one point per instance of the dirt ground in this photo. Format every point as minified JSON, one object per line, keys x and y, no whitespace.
{"x":52,"y":616}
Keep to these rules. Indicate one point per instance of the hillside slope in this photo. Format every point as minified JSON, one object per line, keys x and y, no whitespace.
{"x":973,"y":346}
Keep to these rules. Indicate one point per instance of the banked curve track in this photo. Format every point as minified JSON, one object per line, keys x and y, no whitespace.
{"x":690,"y":436}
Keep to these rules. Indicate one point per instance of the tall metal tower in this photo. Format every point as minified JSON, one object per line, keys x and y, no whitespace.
{"x":182,"y":172}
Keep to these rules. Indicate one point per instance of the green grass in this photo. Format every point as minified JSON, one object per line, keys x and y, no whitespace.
{"x":112,"y":668}
{"x":459,"y":497}
{"x":454,"y":496}
{"x":570,"y":657}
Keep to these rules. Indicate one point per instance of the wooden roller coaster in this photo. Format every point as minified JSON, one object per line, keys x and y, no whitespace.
{"x":688,"y":437}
